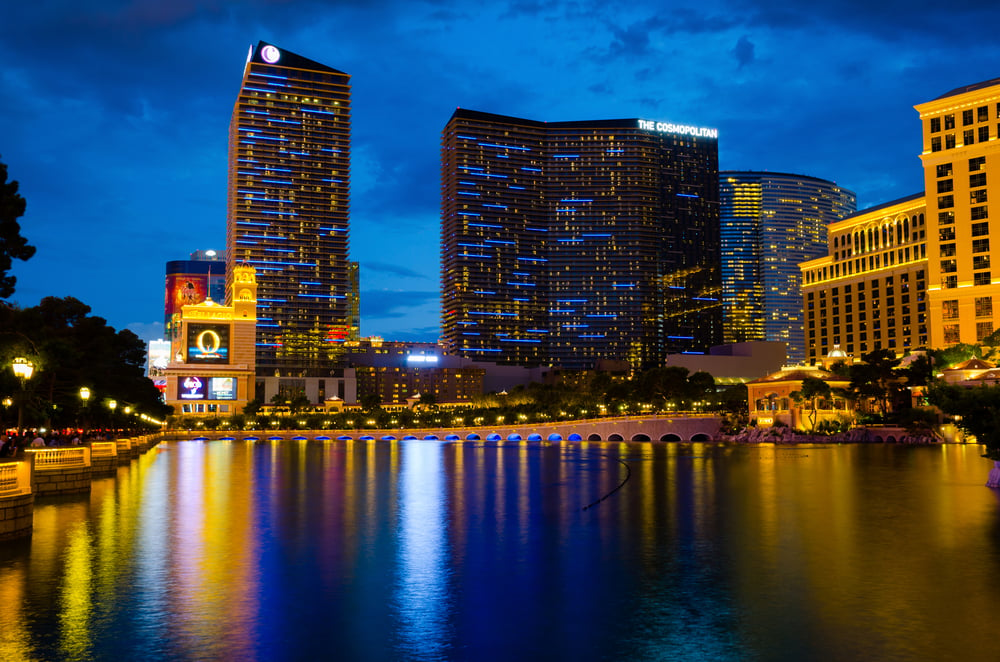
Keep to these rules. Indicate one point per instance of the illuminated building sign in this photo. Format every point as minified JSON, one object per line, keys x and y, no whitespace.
{"x":270,"y":54}
{"x":208,"y":343}
{"x":206,"y":388}
{"x":421,"y":358}
{"x":683,"y":129}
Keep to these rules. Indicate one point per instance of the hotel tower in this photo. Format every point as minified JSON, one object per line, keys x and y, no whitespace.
{"x":575,"y":244}
{"x":289,"y":162}
{"x":771,"y":222}
{"x":917,"y":272}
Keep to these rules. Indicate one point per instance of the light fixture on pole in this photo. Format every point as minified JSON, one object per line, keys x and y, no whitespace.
{"x":23,"y":369}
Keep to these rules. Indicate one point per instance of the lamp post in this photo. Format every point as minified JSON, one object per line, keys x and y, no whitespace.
{"x":85,"y":398}
{"x":23,"y":369}
{"x":112,"y":405}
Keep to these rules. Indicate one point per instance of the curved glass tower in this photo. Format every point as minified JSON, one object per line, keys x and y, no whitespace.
{"x":771,"y":222}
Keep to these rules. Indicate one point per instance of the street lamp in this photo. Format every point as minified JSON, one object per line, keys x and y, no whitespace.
{"x":112,"y":405}
{"x":23,"y":369}
{"x":85,"y":397}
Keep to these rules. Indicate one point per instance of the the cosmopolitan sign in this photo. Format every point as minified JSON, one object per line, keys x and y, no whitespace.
{"x":683,"y":129}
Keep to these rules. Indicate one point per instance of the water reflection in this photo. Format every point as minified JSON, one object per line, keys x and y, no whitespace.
{"x":374,"y":550}
{"x":422,"y":592}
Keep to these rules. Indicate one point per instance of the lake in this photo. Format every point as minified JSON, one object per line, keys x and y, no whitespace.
{"x":426,"y":550}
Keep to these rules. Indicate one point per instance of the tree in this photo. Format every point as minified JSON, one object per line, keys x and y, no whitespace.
{"x":12,"y":244}
{"x":977,"y":412}
{"x":875,"y":378}
{"x":812,"y":389}
{"x":71,"y":349}
{"x":298,"y":402}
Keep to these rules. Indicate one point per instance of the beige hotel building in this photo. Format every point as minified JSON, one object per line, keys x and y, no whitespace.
{"x":916,"y":272}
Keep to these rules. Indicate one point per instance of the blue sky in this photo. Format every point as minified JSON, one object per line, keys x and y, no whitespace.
{"x":114,"y":114}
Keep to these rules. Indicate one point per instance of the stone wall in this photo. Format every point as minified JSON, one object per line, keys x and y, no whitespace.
{"x":75,"y":480}
{"x":16,"y":516}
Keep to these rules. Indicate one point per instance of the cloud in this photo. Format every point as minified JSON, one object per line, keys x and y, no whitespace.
{"x":384,"y":304}
{"x":392,"y":269}
{"x":743,"y":51}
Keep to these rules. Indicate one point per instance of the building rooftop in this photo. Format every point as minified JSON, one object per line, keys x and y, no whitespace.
{"x":970,"y":88}
{"x":891,"y":203}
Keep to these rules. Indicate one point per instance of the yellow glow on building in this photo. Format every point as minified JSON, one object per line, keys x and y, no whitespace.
{"x":917,"y":272}
{"x":961,"y":159}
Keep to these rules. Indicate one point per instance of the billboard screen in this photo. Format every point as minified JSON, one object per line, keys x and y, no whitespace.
{"x":191,"y":388}
{"x":183,"y":289}
{"x":208,"y":343}
{"x":222,"y":388}
{"x":195,"y":387}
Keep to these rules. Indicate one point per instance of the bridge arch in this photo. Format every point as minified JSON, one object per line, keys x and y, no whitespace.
{"x":594,"y":437}
{"x":671,"y":437}
{"x":701,"y":436}
{"x":555,"y":436}
{"x":640,"y":437}
{"x":494,"y":437}
{"x":534,"y":437}
{"x":575,"y":437}
{"x":615,"y":437}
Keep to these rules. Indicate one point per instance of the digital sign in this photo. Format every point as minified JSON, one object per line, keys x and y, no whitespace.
{"x":206,"y":388}
{"x":208,"y":343}
{"x":191,"y":388}
{"x":222,"y":388}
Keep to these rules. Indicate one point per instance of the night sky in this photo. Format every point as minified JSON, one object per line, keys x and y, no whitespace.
{"x":114,"y":115}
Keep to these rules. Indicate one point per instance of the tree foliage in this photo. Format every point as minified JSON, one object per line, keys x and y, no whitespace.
{"x":813,"y":388}
{"x":71,"y":349}
{"x":12,"y":244}
{"x":876,"y":378}
{"x":974,"y":410}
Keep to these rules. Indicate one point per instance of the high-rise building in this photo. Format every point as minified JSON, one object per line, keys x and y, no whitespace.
{"x":771,"y":222}
{"x":917,"y":272}
{"x":289,"y":170}
{"x":961,"y":176}
{"x":578,"y":243}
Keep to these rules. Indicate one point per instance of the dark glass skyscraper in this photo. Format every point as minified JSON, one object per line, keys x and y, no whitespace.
{"x":771,"y":222}
{"x":289,"y":169}
{"x":572,"y":243}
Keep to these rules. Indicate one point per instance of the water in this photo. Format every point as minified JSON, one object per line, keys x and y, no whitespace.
{"x":488,"y":551}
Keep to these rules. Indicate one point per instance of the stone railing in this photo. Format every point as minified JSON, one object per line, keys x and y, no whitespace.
{"x":103,"y":450}
{"x":15,"y":478}
{"x":124,"y":446}
{"x":52,"y":459}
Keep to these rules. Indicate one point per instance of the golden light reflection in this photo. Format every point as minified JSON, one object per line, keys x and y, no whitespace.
{"x":15,"y":640}
{"x":76,"y":600}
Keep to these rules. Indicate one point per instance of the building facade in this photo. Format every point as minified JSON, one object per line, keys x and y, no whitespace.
{"x":571,"y":243}
{"x":211,"y":371}
{"x":770,"y":223}
{"x":917,"y":272}
{"x":870,"y":291}
{"x":961,"y":159}
{"x":289,"y":174}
